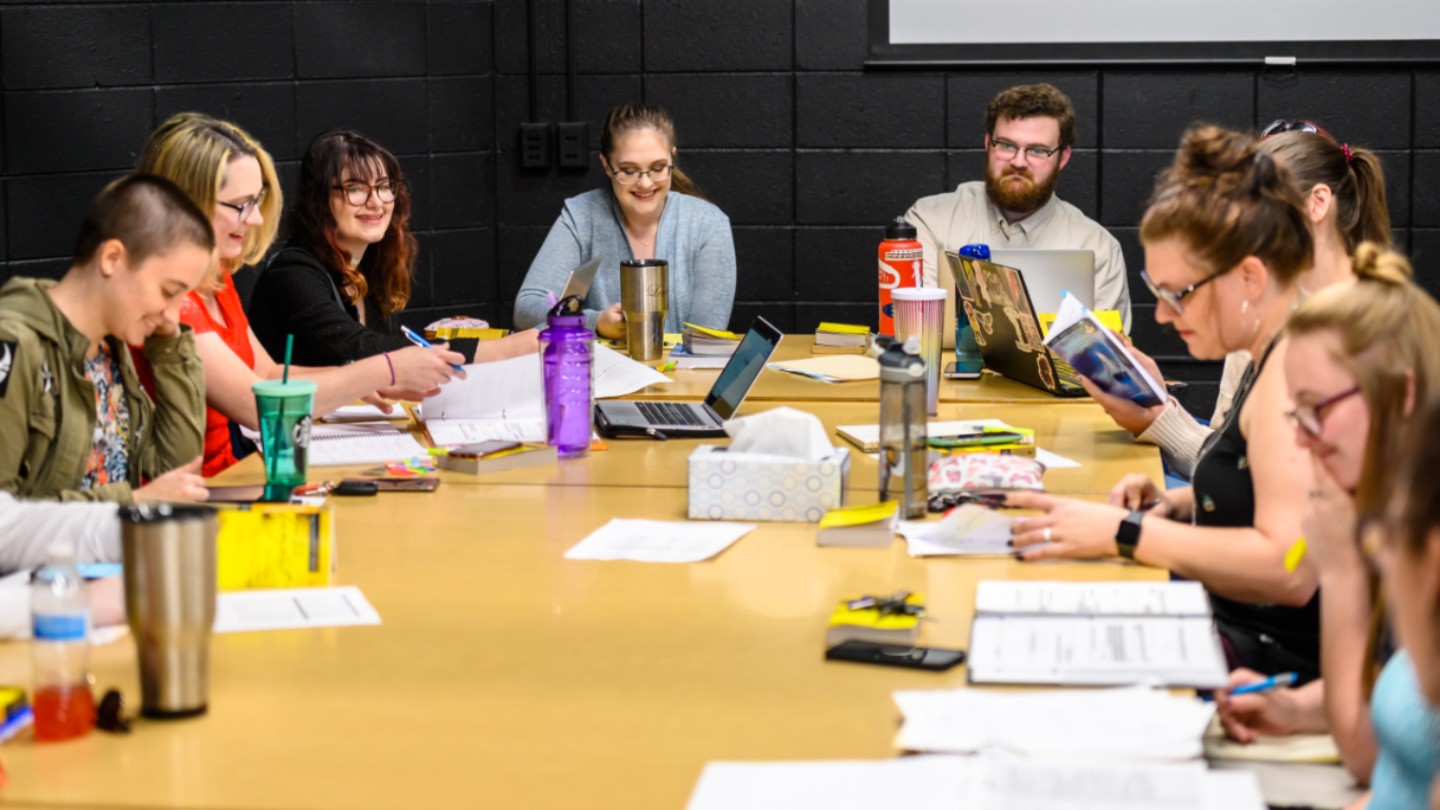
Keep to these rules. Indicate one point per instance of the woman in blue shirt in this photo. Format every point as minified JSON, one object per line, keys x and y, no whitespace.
{"x":650,"y":211}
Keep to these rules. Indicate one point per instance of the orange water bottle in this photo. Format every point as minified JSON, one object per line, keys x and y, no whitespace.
{"x":900,"y":266}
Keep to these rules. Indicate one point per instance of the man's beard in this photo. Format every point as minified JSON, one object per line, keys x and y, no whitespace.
{"x":1024,"y":200}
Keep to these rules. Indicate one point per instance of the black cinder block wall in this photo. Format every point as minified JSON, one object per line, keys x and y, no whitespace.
{"x":779,"y":123}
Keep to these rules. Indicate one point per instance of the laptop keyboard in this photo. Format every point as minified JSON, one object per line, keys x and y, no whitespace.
{"x":671,"y":413}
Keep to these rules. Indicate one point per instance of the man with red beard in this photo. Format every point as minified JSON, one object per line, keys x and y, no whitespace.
{"x":1028,"y":134}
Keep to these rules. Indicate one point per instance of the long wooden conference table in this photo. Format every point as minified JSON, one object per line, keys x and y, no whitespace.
{"x":504,"y":675}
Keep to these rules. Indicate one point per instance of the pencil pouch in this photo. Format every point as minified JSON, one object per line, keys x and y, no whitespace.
{"x":985,"y":471}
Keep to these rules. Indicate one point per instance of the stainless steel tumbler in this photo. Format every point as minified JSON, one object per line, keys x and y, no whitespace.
{"x":644,"y":297}
{"x":170,"y":601}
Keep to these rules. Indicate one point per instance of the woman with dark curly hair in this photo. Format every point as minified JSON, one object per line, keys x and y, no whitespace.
{"x":346,"y":272}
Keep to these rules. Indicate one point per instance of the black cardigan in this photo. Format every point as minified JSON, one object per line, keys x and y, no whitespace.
{"x":296,"y":294}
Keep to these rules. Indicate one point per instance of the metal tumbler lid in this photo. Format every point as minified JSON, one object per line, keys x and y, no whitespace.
{"x":162,"y":512}
{"x":644,"y":263}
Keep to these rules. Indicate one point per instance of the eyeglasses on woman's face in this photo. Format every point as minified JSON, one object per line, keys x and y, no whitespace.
{"x":1311,"y":418}
{"x":628,"y":175}
{"x":243,"y":209}
{"x":358,"y":194}
{"x":1173,"y":298}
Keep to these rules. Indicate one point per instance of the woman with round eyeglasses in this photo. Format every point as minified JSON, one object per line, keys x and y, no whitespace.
{"x":345,"y":275}
{"x":650,"y":211}
{"x":1344,"y":191}
{"x":1355,"y":380}
{"x":1226,"y":240}
{"x":225,"y":171}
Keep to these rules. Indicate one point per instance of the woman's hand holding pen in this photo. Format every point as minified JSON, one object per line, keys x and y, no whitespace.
{"x":424,"y":370}
{"x":1274,"y":712}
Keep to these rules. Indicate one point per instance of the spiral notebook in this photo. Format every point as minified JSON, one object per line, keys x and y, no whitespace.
{"x":361,"y":443}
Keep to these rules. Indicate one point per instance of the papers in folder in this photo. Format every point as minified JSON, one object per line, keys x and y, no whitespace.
{"x":506,"y":399}
{"x":1095,"y":634}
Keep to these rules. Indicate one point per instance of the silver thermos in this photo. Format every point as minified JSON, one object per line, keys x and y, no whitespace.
{"x":170,"y":601}
{"x":904,"y":452}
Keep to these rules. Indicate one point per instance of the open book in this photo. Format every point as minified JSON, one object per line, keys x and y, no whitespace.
{"x":1096,"y":353}
{"x":1095,"y":634}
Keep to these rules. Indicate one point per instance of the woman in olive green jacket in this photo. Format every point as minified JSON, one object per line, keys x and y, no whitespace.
{"x":74,"y":422}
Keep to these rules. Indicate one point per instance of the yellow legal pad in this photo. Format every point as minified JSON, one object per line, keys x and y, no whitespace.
{"x":715,"y":333}
{"x":1110,"y":318}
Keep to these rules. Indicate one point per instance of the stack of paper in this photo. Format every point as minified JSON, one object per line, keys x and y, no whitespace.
{"x":1096,"y":634}
{"x":991,"y":782}
{"x":1135,"y":723}
{"x":506,"y":399}
{"x":967,"y":529}
{"x":658,"y":541}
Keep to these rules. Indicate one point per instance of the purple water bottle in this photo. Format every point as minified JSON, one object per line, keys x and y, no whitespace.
{"x":567,"y":349}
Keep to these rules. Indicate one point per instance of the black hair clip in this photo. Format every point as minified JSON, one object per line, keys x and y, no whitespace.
{"x":894,"y":605}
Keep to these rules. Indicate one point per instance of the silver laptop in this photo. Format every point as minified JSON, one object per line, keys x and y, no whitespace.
{"x":661,"y":419}
{"x":580,"y":279}
{"x":1049,"y":274}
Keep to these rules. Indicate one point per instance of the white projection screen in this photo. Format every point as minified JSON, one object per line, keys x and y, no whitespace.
{"x":979,"y":32}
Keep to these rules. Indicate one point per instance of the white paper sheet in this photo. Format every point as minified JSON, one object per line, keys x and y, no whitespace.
{"x":617,"y":375}
{"x":1133,"y":723}
{"x":1054,"y":461}
{"x":911,"y":783}
{"x":967,"y":529}
{"x":1092,"y":598}
{"x":658,"y":540}
{"x":292,"y":608}
{"x":1096,"y":651}
{"x":503,"y":389}
{"x":992,"y":782}
{"x":446,"y":432}
{"x":364,"y":413}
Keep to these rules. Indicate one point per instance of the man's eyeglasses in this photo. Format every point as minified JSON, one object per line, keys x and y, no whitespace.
{"x":357,"y":194}
{"x":1174,"y":298}
{"x":1008,"y":150}
{"x":244,"y":209}
{"x":626,"y":175}
{"x":1311,"y":418}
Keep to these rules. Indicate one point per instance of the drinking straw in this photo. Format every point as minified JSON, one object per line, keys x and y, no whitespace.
{"x":289,"y":347}
{"x":275,"y":442}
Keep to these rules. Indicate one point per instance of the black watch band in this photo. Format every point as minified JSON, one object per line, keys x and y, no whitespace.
{"x":1127,"y":537}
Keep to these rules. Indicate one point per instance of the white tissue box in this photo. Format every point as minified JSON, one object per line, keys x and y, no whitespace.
{"x":754,"y":486}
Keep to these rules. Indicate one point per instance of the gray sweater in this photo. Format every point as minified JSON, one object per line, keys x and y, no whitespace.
{"x":694,"y":237}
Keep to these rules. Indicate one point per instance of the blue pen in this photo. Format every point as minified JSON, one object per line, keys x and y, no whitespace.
{"x":1272,"y":682}
{"x":411,"y":336}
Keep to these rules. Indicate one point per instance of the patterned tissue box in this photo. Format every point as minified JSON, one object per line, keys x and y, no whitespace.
{"x":752,"y":486}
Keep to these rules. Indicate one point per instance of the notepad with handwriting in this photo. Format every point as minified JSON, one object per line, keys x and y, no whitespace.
{"x":1095,"y":634}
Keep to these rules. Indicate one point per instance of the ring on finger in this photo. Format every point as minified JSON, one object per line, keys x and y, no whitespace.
{"x":1045,"y":534}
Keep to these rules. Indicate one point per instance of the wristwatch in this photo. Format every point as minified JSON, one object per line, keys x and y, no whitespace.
{"x":1127,"y":537}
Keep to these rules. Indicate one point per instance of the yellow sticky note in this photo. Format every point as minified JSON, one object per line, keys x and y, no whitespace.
{"x":842,"y":328}
{"x":1295,"y":554}
{"x":857,"y":515}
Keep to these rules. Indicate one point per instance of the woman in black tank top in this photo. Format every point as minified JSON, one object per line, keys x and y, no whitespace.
{"x":1226,"y":238}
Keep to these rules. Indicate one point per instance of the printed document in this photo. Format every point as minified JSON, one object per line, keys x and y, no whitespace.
{"x":1092,"y":598}
{"x":658,"y":540}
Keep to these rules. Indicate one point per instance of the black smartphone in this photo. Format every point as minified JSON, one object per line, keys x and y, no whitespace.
{"x":355,"y":486}
{"x":895,"y":655}
{"x":953,"y":373}
{"x":260,"y":493}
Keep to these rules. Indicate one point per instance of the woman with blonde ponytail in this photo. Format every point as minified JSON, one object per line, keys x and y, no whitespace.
{"x":652,"y":210}
{"x":1227,"y":240}
{"x":1356,"y":380}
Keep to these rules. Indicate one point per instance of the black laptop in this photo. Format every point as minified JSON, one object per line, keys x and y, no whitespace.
{"x":695,"y":419}
{"x":998,"y":304}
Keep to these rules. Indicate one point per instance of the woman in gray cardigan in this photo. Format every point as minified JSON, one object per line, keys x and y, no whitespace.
{"x":651,"y":210}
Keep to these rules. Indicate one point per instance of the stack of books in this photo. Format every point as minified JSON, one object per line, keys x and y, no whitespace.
{"x":496,"y":455}
{"x":702,"y":341}
{"x":841,"y":338}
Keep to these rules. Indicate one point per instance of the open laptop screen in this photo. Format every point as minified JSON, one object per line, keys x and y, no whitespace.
{"x":745,"y":365}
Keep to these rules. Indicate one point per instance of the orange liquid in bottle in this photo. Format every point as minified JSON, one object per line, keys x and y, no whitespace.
{"x":63,"y":712}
